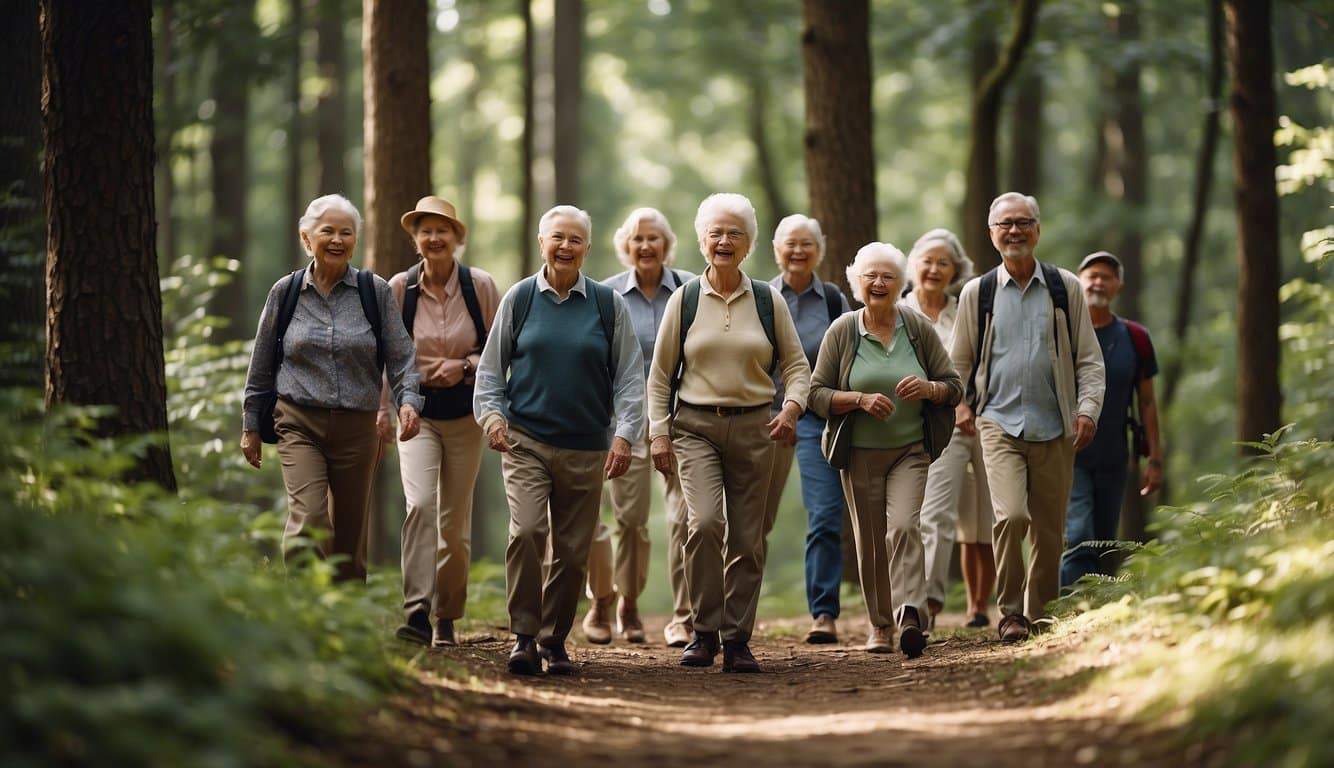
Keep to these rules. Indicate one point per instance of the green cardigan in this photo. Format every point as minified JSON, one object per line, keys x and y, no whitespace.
{"x":834,"y":364}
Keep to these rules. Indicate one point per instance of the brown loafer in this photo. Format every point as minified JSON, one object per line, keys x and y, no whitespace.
{"x":823,"y":630}
{"x":1013,"y":628}
{"x":738,"y":658}
{"x":701,"y":651}
{"x":444,"y":634}
{"x":597,"y":624}
{"x":678,"y":634}
{"x":878,"y":641}
{"x":627,"y":621}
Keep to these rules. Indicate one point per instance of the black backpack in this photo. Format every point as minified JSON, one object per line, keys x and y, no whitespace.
{"x":445,"y":402}
{"x":764,"y":305}
{"x":986,"y":302}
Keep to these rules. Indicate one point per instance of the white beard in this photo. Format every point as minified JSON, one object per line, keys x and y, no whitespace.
{"x":1097,"y":300}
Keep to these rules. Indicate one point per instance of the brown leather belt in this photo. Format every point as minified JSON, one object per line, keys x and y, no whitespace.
{"x":725,"y":410}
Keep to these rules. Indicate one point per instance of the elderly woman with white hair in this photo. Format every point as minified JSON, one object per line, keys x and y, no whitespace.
{"x":646,"y":245}
{"x":885,"y":383}
{"x":957,"y":496}
{"x":326,"y":333}
{"x":560,"y":394}
{"x":723,"y":336}
{"x":799,"y":246}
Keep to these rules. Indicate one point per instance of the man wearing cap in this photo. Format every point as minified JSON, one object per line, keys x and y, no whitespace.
{"x":1101,"y":467}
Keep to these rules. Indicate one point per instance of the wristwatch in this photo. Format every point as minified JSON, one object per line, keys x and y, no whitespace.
{"x":467,"y":367}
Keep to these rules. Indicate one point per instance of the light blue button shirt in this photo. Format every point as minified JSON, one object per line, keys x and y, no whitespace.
{"x":646,"y":314}
{"x":810,"y":314}
{"x":1021,"y":393}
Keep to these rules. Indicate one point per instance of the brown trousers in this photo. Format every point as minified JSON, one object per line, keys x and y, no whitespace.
{"x":329,"y":458}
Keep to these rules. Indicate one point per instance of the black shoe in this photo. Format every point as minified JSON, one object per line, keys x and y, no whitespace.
{"x":701,"y":650}
{"x":979,"y":620}
{"x":417,"y":629}
{"x":1014,"y":629}
{"x":558,"y":661}
{"x":524,"y":659}
{"x":444,"y":634}
{"x":911,"y":639}
{"x":738,"y":658}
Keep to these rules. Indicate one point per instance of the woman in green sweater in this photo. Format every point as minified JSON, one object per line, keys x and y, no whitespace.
{"x":885,"y":383}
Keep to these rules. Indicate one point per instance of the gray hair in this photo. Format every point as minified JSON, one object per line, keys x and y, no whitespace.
{"x":1029,"y":200}
{"x":865,"y":254}
{"x":943,"y":238}
{"x":578,"y":214}
{"x":621,"y":238}
{"x":728,"y":203}
{"x":322,"y":205}
{"x":794,"y":221}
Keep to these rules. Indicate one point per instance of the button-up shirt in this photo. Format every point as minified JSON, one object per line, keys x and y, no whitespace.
{"x":627,"y":392}
{"x":810,"y":314}
{"x":442,"y":329}
{"x":646,"y":313}
{"x":944,"y":323}
{"x":329,"y":351}
{"x":1021,"y":394}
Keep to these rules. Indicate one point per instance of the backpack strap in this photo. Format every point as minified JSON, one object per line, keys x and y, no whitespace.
{"x":764,"y":305}
{"x":470,"y":301}
{"x":286,"y":310}
{"x":833,"y":300}
{"x":1060,"y":299}
{"x":524,"y":292}
{"x":681,"y":277}
{"x":370,"y":306}
{"x":1139,"y":339}
{"x":411,"y":291}
{"x":689,"y":308}
{"x":605,"y":299}
{"x":986,"y":304}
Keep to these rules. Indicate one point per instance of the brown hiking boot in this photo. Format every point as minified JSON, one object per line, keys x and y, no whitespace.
{"x":879,"y":641}
{"x":911,"y":639}
{"x":597,"y":624}
{"x":823,"y":630}
{"x":1014,"y":628}
{"x":627,"y":620}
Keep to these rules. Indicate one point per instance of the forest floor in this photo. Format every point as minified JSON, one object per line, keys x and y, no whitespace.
{"x":968,"y":701}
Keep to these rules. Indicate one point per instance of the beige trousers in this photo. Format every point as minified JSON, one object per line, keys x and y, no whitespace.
{"x":439,"y":468}
{"x":553,"y":493}
{"x":328,"y":458}
{"x":1030,"y":487}
{"x":782,"y":467}
{"x":725,"y":463}
{"x":957,"y":501}
{"x":884,"y":492}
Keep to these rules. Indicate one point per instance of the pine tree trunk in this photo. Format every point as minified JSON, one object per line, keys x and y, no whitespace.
{"x":1134,"y":160}
{"x":21,"y":225}
{"x":1027,"y":133}
{"x":840,"y":162}
{"x":568,"y":68}
{"x":104,"y":306}
{"x":331,"y":111}
{"x":229,"y":161}
{"x":527,"y":260}
{"x":296,"y":203}
{"x":1254,"y":120}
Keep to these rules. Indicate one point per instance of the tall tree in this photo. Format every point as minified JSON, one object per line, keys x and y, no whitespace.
{"x":766,"y":165}
{"x":166,"y":123}
{"x":982,"y":182}
{"x":1027,"y":131}
{"x":568,"y":68}
{"x":1254,"y":119}
{"x":229,"y":159}
{"x":104,"y":307}
{"x":295,"y":129}
{"x":21,"y":256}
{"x":1133,"y":156}
{"x":527,"y":262}
{"x":840,"y":162}
{"x":331,"y":111}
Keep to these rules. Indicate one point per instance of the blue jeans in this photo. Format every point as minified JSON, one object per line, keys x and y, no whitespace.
{"x":822,"y":495}
{"x":1092,"y":515}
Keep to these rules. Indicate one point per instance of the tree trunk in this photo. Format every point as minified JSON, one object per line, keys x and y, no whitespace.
{"x":527,"y":262}
{"x":1254,"y":120}
{"x":331,"y":111}
{"x":1027,"y":133}
{"x":229,"y":161}
{"x":1204,"y":179}
{"x":296,"y":204}
{"x":1134,"y":159}
{"x":568,"y":68}
{"x":21,"y":226}
{"x":840,"y":162}
{"x":765,"y":164}
{"x":982,"y":183}
{"x":104,"y":306}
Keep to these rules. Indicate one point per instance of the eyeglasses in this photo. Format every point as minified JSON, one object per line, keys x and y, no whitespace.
{"x":732,"y":234}
{"x":872,"y":278}
{"x":1019,"y":224}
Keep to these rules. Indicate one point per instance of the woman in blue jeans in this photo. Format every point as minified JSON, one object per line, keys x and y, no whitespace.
{"x":798,"y":248}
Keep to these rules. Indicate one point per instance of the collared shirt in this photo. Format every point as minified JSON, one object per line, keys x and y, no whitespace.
{"x":1109,"y":447}
{"x":646,"y":314}
{"x":1021,"y":394}
{"x":329,"y":351}
{"x":878,"y":368}
{"x":627,"y":400}
{"x":810,"y":314}
{"x":442,"y":329}
{"x":944,"y":323}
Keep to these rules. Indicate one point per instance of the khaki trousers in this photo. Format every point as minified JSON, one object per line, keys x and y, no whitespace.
{"x":884,"y":492}
{"x":782,"y":467}
{"x":439,"y":468}
{"x":553,"y":493}
{"x":725,"y":462}
{"x":328,"y":458}
{"x":1030,"y":486}
{"x":957,"y":502}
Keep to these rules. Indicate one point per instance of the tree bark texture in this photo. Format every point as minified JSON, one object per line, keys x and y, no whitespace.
{"x":397,"y":126}
{"x":104,"y":306}
{"x":1134,"y":159}
{"x":527,"y":259}
{"x":229,"y":161}
{"x":1254,"y":159}
{"x":982,"y":182}
{"x":21,"y":226}
{"x":331,"y":110}
{"x":296,"y":203}
{"x":568,"y":68}
{"x":1027,"y":133}
{"x":840,"y":163}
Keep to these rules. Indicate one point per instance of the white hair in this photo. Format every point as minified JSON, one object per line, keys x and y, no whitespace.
{"x":620,"y":240}
{"x":726,"y":203}
{"x":794,"y":221}
{"x":578,"y":214}
{"x":865,"y":254}
{"x":1029,"y":200}
{"x":322,"y":205}
{"x":943,"y":238}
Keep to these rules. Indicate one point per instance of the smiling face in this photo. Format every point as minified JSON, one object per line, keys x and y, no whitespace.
{"x":935,"y":270}
{"x":1101,"y":285}
{"x":564,"y":245}
{"x":798,"y":252}
{"x":646,"y":247}
{"x":436,"y":237}
{"x":882,"y":281}
{"x":331,"y":240}
{"x":725,"y":242}
{"x":1014,"y":229}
